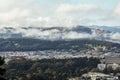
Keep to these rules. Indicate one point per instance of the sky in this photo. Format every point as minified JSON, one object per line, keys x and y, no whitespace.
{"x":68,"y":13}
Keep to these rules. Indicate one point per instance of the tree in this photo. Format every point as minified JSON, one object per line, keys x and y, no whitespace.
{"x":2,"y":70}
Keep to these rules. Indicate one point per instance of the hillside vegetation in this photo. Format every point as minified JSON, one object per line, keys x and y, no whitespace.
{"x":50,"y":69}
{"x":23,"y":44}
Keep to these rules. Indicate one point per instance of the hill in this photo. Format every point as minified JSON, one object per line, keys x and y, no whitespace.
{"x":28,"y":44}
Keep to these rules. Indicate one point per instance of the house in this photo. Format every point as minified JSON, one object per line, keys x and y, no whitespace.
{"x":114,"y":62}
{"x":99,"y":76}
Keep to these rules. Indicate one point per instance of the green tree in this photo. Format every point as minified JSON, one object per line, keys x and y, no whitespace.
{"x":2,"y":70}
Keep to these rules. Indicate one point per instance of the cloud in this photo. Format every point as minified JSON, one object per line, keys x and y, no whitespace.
{"x":55,"y":34}
{"x":62,"y":33}
{"x":15,"y":12}
{"x":115,"y":36}
{"x":66,"y":8}
{"x":75,"y":35}
{"x":116,"y":11}
{"x":32,"y":13}
{"x":54,"y":21}
{"x":29,"y":13}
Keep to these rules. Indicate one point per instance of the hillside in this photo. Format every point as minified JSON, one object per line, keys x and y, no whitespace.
{"x":28,"y":44}
{"x":49,"y":69}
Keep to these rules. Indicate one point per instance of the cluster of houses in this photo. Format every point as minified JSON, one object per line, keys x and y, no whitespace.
{"x":95,"y":76}
{"x":109,"y":62}
{"x":58,"y":54}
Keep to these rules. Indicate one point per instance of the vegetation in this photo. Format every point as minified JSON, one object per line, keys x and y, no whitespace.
{"x":2,"y":70}
{"x":23,"y":44}
{"x":50,"y":69}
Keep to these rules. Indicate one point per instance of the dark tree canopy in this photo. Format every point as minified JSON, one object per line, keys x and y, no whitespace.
{"x":24,"y":44}
{"x":2,"y":70}
{"x":50,"y":69}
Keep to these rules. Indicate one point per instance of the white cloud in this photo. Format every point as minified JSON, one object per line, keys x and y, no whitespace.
{"x":115,"y":36}
{"x":52,"y":34}
{"x":75,"y":35}
{"x":15,"y":12}
{"x":31,"y":13}
{"x":28,"y":13}
{"x":65,"y":8}
{"x":116,"y":11}
{"x":56,"y":21}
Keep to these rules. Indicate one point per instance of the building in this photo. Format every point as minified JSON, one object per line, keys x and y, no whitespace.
{"x":112,"y":60}
{"x":99,"y":76}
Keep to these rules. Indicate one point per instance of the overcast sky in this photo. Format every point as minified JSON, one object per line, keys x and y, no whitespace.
{"x":47,"y":13}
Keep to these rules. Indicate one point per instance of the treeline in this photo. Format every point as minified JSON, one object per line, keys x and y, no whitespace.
{"x":23,"y":44}
{"x":50,"y":69}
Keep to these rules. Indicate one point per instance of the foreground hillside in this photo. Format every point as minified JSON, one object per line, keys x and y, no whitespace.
{"x":27,"y":44}
{"x":49,"y":69}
